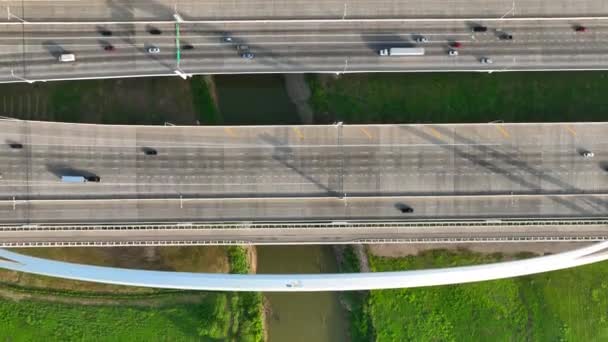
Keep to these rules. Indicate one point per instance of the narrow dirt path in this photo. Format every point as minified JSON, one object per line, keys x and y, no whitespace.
{"x":299,"y":93}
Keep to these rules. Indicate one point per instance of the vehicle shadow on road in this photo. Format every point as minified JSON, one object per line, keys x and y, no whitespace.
{"x":53,"y":48}
{"x":66,"y":170}
{"x":385,"y":40}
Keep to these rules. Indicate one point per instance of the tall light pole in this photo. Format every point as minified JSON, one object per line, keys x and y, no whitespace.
{"x":178,"y":56}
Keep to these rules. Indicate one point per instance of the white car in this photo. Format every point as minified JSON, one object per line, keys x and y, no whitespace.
{"x":421,"y":39}
{"x":153,"y":49}
{"x":452,"y":53}
{"x":588,"y":154}
{"x":486,"y":60}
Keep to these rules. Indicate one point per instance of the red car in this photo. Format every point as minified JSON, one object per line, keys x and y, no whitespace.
{"x":580,"y":29}
{"x":456,"y":44}
{"x":109,"y":48}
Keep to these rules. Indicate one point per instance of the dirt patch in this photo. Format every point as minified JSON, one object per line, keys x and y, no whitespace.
{"x":209,"y":81}
{"x":212,"y":259}
{"x":541,"y":248}
{"x":299,"y":93}
{"x":144,"y":302}
{"x":252,"y":258}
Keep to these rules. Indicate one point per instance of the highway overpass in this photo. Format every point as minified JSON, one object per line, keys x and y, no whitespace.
{"x":30,"y":51}
{"x":333,"y":175}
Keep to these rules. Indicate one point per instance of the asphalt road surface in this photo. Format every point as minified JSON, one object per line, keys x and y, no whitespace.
{"x":31,"y":52}
{"x":301,"y":172}
{"x":125,"y":10}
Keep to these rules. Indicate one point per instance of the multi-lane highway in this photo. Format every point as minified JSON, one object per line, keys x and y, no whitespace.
{"x":31,"y":52}
{"x":127,"y":10}
{"x":301,"y":172}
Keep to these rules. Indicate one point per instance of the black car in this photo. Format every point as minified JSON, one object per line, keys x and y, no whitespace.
{"x":480,"y":28}
{"x":187,"y":47}
{"x":15,"y":145}
{"x":155,"y":31}
{"x":93,"y":179}
{"x":106,"y":33}
{"x":150,"y":152}
{"x":506,"y":36}
{"x":406,"y":210}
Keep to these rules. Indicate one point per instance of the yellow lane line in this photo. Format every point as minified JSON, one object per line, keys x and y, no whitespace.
{"x":300,"y":135}
{"x":369,"y":136}
{"x":503,"y":131}
{"x":229,"y":131}
{"x":571,"y":130}
{"x":435,"y":132}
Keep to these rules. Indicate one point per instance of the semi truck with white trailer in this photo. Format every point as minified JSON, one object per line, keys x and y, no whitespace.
{"x":407,"y":51}
{"x":79,"y":179}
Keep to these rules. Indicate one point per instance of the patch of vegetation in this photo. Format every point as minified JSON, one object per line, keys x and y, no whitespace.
{"x":145,"y":101}
{"x":356,"y":302}
{"x":247,"y":305}
{"x":239,"y":263}
{"x":118,"y":313}
{"x":567,"y":305}
{"x":208,"y":114}
{"x":460,"y":97}
{"x":36,"y":320}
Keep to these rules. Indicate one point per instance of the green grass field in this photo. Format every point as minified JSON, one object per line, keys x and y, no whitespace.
{"x":568,"y":305}
{"x":34,"y":308}
{"x":460,"y":97}
{"x":151,"y":101}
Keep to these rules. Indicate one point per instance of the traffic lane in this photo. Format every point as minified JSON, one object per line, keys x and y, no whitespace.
{"x":54,"y":49}
{"x":299,"y":235}
{"x":421,"y":172}
{"x":435,"y":136}
{"x":472,"y":169}
{"x":216,"y":34}
{"x":293,"y":209}
{"x":303,"y":60}
{"x":542,"y":137}
{"x":265,"y":9}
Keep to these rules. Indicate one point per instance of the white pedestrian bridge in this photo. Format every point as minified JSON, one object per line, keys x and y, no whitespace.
{"x":303,"y":282}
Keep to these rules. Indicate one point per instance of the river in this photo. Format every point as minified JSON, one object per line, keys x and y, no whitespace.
{"x":302,"y":317}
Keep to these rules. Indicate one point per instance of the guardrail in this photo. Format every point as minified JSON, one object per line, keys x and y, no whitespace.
{"x":358,"y":242}
{"x":337,"y":225}
{"x":310,"y":225}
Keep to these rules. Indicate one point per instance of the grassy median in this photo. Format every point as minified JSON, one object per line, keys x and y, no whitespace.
{"x":460,"y":97}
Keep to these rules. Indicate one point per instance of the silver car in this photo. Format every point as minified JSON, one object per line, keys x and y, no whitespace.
{"x":153,"y":50}
{"x":486,"y":60}
{"x":248,"y":55}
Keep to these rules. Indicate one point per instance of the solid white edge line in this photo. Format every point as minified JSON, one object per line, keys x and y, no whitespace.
{"x":288,"y":21}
